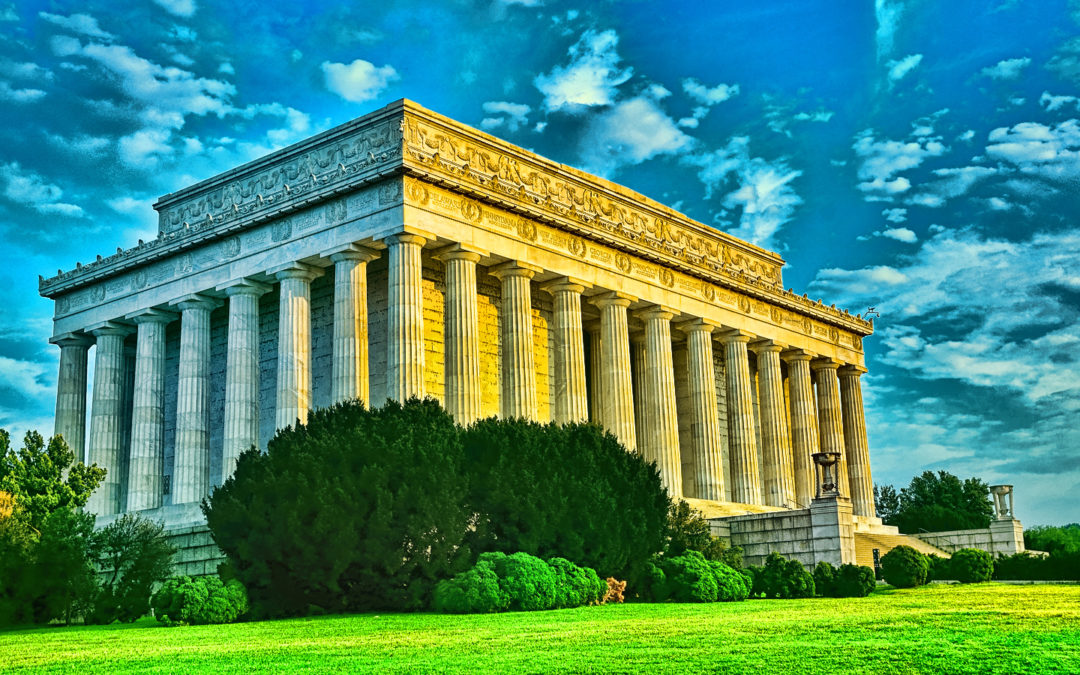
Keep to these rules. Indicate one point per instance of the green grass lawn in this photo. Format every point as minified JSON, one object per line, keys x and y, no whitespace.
{"x":935,"y":629}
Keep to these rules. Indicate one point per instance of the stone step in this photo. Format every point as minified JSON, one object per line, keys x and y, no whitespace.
{"x":866,"y":542}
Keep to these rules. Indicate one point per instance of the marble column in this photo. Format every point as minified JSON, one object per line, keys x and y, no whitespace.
{"x":571,"y":399}
{"x":855,"y":444}
{"x":349,"y":370}
{"x":191,"y":458}
{"x":107,"y":415}
{"x":745,"y":475}
{"x":705,"y":420}
{"x":596,"y":374}
{"x":804,"y":425}
{"x":518,"y":367}
{"x":241,"y":373}
{"x":639,"y":371}
{"x":662,"y":416}
{"x":778,"y":479}
{"x":405,"y":318}
{"x":462,"y":335}
{"x":146,"y":466}
{"x":293,"y":400}
{"x":71,"y":391}
{"x":830,"y":422}
{"x":618,"y":400}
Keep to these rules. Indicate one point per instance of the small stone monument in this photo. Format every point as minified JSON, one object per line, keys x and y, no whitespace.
{"x":1003,"y":502}
{"x":828,"y":485}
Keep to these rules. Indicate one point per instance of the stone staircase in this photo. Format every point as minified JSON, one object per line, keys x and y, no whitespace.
{"x":866,"y":542}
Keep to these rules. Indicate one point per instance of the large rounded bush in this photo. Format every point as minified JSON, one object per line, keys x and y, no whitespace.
{"x":825,"y":579}
{"x":854,"y":581}
{"x":731,"y":584}
{"x":574,"y":585}
{"x":783,"y":578}
{"x":904,"y":567}
{"x":520,"y":581}
{"x":691,"y":578}
{"x":473,"y":591}
{"x":199,"y":600}
{"x":972,"y":565}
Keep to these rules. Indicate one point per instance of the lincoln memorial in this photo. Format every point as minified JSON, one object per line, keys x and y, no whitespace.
{"x":405,"y":254}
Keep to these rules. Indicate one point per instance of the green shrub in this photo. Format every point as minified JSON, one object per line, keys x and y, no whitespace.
{"x":825,"y":579}
{"x":783,"y":578}
{"x":939,"y":568}
{"x":691,"y":578}
{"x":731,"y":584}
{"x":576,"y":586}
{"x":521,"y":582}
{"x":904,"y":567}
{"x":135,"y":555}
{"x":1026,"y":566}
{"x":199,"y":600}
{"x":473,"y":591}
{"x":854,"y":581}
{"x":972,"y":565}
{"x":528,"y":580}
{"x":756,"y":575}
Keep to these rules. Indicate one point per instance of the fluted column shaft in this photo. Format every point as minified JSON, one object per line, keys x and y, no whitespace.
{"x":705,"y":420}
{"x":191,"y":459}
{"x":294,"y":344}
{"x":804,"y":425}
{"x":662,"y":415}
{"x":745,"y":474}
{"x":596,"y":376}
{"x":856,"y":447}
{"x":349,"y":370}
{"x":241,"y":374}
{"x":462,"y":336}
{"x":146,"y":465}
{"x":106,"y":417}
{"x":778,"y":479}
{"x":618,"y":400}
{"x":405,"y":318}
{"x":830,"y":422}
{"x":640,"y":371}
{"x":71,"y":392}
{"x":571,"y":399}
{"x":518,"y":366}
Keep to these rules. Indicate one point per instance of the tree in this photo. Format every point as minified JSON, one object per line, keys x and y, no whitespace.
{"x":936,"y":503}
{"x":62,"y":578}
{"x":135,"y":554}
{"x":886,"y":502}
{"x":43,"y":479}
{"x":1053,"y":540}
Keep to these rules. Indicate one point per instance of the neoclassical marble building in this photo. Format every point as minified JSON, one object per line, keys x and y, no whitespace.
{"x":405,"y":254}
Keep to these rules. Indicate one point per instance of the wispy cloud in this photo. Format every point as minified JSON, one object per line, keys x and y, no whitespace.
{"x":358,"y":81}
{"x":590,"y":79}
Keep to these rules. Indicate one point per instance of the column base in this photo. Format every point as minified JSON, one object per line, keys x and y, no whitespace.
{"x":172,"y":516}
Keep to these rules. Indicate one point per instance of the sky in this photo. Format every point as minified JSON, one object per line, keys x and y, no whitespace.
{"x":915,"y":156}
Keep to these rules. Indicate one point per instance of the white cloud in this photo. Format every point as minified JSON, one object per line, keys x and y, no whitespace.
{"x":1007,"y":69}
{"x":899,"y":69}
{"x":888,"y":14}
{"x":181,"y":8}
{"x":817,"y":116}
{"x":895,"y":215}
{"x":29,"y":95}
{"x":513,"y":115}
{"x":630,"y":132}
{"x":28,"y":189}
{"x":226,"y":68}
{"x":1050,"y":152}
{"x":26,"y":378}
{"x":882,"y":159}
{"x":358,"y":81}
{"x":966,"y":136}
{"x":950,"y":183}
{"x":1051,"y":103}
{"x":591,"y":77}
{"x":709,"y":96}
{"x":80,"y":24}
{"x":900,"y":234}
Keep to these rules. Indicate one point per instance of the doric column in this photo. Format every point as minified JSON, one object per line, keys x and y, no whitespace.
{"x":571,"y":399}
{"x":241,"y":373}
{"x":639,"y":370}
{"x":146,"y":465}
{"x":830,"y":423}
{"x":705,"y":420}
{"x":191,"y":458}
{"x":462,"y":335}
{"x":855,"y":444}
{"x":596,"y":374}
{"x":349,"y":371}
{"x":745,"y":476}
{"x":778,"y":479}
{"x":518,"y":367}
{"x":405,"y":318}
{"x":804,"y":426}
{"x":107,"y":415}
{"x":618,"y":400}
{"x":662,"y":416}
{"x":70,"y":421}
{"x":293,"y":401}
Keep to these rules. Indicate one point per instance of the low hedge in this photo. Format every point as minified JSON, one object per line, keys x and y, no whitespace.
{"x":199,"y":600}
{"x":971,"y":565}
{"x":1025,"y":566}
{"x":781,"y":578}
{"x":689,"y":577}
{"x":500,"y":582}
{"x":847,"y":581}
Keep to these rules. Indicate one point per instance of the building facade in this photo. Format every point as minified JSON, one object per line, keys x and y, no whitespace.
{"x":404,"y":254}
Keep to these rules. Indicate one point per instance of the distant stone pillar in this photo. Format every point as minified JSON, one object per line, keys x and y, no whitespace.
{"x":518,"y":367}
{"x":745,"y":476}
{"x":462,"y":335}
{"x":146,"y":466}
{"x":571,"y":399}
{"x":106,"y":416}
{"x":293,"y":399}
{"x":777,"y":473}
{"x":71,"y":391}
{"x":617,"y":400}
{"x":830,"y":422}
{"x":663,"y":416}
{"x":405,"y":318}
{"x":855,"y":443}
{"x":241,"y":373}
{"x":349,"y":375}
{"x":191,"y":459}
{"x":596,"y":374}
{"x":639,"y":370}
{"x":705,"y":420}
{"x":804,"y":427}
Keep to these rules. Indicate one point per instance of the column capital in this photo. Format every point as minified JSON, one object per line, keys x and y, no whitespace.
{"x":612,"y":298}
{"x":109,"y":328}
{"x":460,"y":252}
{"x":657,"y":312}
{"x":514,"y":268}
{"x":697,"y":325}
{"x":416,"y":238}
{"x":195,"y":301}
{"x":735,"y":335}
{"x":243,"y":287}
{"x":571,"y":284}
{"x":151,"y":315}
{"x":295,"y":270}
{"x":824,"y":363}
{"x":792,"y":355}
{"x":765,"y":345}
{"x":851,"y":369}
{"x":350,"y":252}
{"x":72,"y":340}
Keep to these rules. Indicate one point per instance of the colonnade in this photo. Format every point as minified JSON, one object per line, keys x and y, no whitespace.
{"x":820,"y":408}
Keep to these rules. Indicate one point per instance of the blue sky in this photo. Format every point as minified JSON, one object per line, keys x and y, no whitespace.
{"x":918,"y":156}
